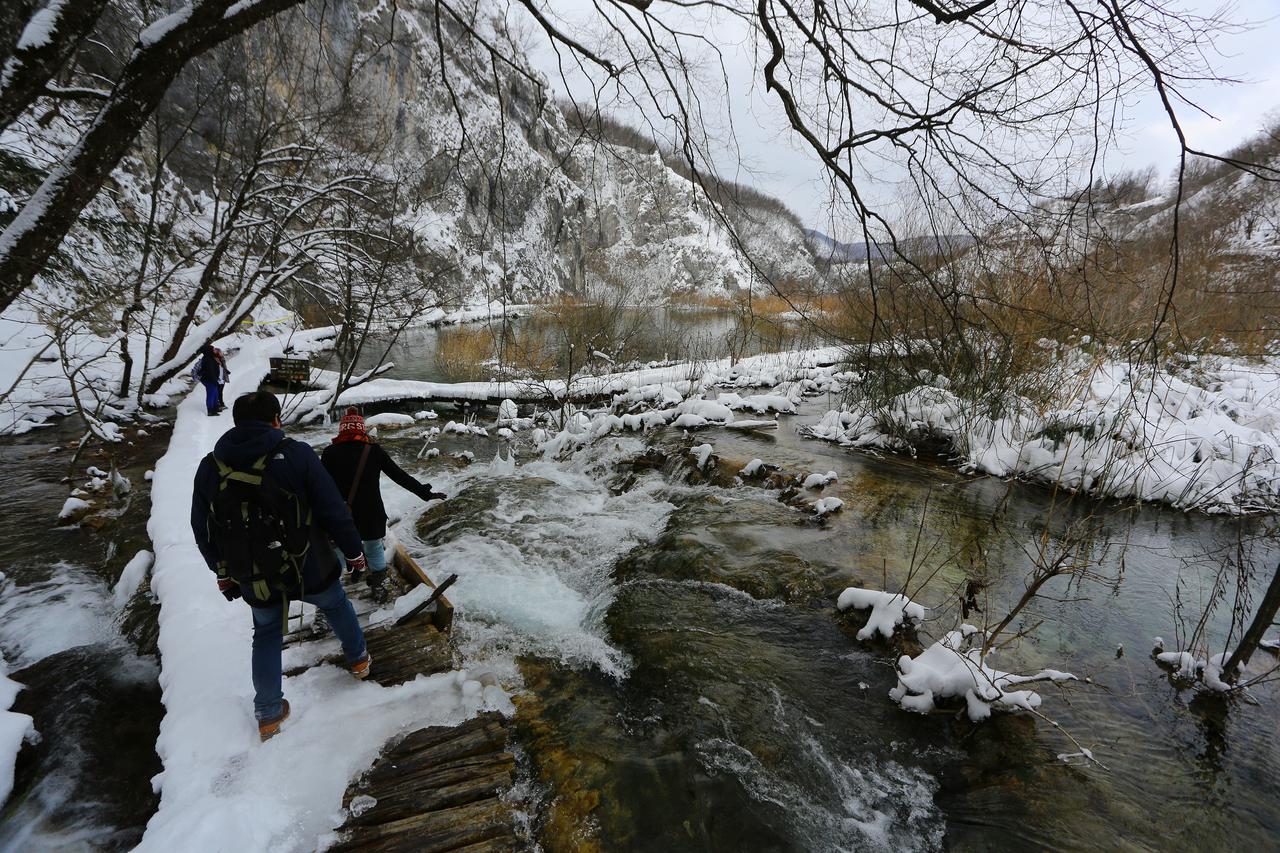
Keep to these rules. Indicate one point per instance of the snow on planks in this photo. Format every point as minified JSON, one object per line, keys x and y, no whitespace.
{"x":439,"y":788}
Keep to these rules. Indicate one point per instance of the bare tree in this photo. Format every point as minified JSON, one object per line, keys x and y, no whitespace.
{"x":162,"y":50}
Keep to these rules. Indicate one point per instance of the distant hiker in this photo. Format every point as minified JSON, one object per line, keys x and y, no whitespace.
{"x":260,"y":512}
{"x":209,"y":374}
{"x":224,"y":376}
{"x":356,"y":462}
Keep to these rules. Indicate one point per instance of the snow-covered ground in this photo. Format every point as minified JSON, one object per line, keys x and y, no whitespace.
{"x":221,"y":789}
{"x":1205,"y":438}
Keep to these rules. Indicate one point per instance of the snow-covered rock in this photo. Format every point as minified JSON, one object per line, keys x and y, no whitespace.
{"x":701,"y":455}
{"x":888,"y":610}
{"x":456,"y":428}
{"x":818,"y":481}
{"x":1188,"y":667}
{"x":826,"y":506}
{"x":389,"y":420}
{"x":73,"y":508}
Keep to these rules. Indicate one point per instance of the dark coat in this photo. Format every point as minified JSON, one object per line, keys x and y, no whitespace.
{"x":341,"y":460}
{"x":295,"y":467}
{"x":210,"y":370}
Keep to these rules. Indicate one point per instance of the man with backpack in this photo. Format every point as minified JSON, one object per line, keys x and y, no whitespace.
{"x":356,"y":463}
{"x":262,"y":512}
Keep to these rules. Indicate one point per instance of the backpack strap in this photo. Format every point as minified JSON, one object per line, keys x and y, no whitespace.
{"x":253,"y":476}
{"x":355,"y":484}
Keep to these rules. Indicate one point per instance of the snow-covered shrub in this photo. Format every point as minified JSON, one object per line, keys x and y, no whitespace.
{"x":954,"y":668}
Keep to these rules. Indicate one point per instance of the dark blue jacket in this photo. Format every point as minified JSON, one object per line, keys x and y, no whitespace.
{"x":295,"y":467}
{"x":210,"y":370}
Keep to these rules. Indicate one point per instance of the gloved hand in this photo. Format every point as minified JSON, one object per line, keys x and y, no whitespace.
{"x":427,"y":495}
{"x":230,"y":589}
{"x":356,"y":565}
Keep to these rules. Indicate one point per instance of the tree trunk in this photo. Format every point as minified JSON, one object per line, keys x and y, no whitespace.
{"x":1257,"y":630}
{"x":126,"y":359}
{"x":39,"y":228}
{"x":25,"y":70}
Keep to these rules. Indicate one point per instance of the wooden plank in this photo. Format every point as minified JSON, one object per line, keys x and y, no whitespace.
{"x":436,"y":832}
{"x":442,"y":616}
{"x":437,"y":789}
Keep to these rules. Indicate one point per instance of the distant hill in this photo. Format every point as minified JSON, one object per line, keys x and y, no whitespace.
{"x":834,"y":251}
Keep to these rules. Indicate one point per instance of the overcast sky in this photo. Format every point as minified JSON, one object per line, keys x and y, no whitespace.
{"x":770,"y":159}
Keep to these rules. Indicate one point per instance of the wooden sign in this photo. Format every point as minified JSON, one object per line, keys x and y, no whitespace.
{"x":290,"y":369}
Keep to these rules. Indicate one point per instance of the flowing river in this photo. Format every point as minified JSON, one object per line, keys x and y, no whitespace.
{"x":685,"y":681}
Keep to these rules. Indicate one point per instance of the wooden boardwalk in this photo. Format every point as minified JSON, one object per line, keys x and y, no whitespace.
{"x":439,"y":788}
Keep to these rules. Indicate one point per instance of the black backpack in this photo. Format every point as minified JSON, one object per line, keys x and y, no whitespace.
{"x":261,"y":530}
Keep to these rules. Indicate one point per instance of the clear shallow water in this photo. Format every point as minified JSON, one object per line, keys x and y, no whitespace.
{"x":95,"y":700}
{"x":733,"y":709}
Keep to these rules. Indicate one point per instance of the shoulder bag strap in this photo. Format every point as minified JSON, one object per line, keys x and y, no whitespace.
{"x":355,"y":484}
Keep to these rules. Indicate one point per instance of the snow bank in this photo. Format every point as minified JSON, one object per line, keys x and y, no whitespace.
{"x":15,"y":729}
{"x":1208,"y":439}
{"x":952,"y":668}
{"x":668,"y":385}
{"x":888,"y":610}
{"x":473,"y":313}
{"x":220,"y":788}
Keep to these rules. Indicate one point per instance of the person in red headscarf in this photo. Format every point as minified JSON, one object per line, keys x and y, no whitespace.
{"x":356,"y":464}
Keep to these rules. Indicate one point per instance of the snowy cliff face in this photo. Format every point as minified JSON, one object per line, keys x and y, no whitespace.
{"x":518,"y":203}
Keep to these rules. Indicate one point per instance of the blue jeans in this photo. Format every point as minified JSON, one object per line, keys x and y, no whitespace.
{"x":268,"y":637}
{"x":375,"y":553}
{"x":212,"y":397}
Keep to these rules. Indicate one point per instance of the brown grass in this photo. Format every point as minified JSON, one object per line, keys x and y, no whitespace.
{"x":463,"y":352}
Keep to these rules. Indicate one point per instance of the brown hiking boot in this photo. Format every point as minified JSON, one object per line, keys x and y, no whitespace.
{"x":269,"y":728}
{"x":360,"y":669}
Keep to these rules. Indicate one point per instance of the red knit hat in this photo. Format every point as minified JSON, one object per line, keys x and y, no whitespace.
{"x":352,"y":423}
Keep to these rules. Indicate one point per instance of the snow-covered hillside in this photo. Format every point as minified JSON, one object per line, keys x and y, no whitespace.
{"x":491,"y":196}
